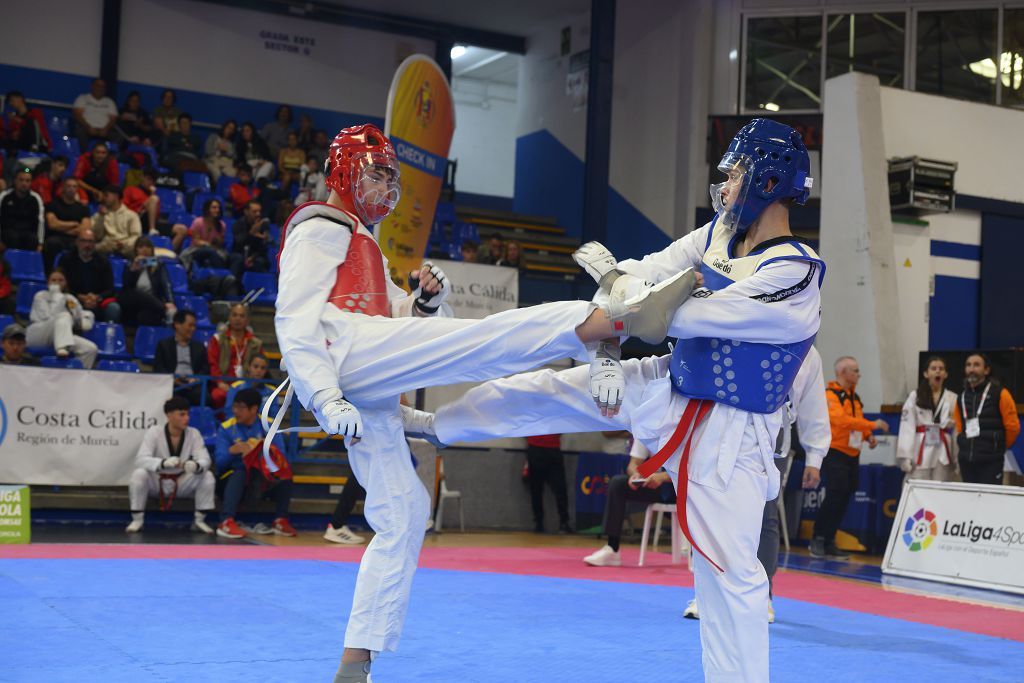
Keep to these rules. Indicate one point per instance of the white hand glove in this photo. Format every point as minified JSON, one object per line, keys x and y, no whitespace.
{"x":170,"y":463}
{"x":595,"y":258}
{"x":906,"y":465}
{"x":426,"y":302}
{"x":607,"y":380}
{"x":193,"y":467}
{"x":336,"y":415}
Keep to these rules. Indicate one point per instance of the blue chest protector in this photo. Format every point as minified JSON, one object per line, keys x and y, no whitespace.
{"x":751,"y":376}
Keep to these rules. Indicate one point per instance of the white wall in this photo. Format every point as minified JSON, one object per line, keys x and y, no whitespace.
{"x":62,"y":35}
{"x":987,"y":141}
{"x":912,"y":251}
{"x":484,"y":143}
{"x":217,"y":49}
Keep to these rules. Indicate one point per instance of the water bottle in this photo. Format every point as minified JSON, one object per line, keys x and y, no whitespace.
{"x":111,"y":339}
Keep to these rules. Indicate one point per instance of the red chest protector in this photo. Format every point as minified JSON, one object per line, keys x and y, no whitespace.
{"x":361,"y":284}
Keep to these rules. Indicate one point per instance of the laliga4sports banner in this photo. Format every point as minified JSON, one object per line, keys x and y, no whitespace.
{"x":970,"y":534}
{"x":420,"y":122}
{"x":75,"y":427}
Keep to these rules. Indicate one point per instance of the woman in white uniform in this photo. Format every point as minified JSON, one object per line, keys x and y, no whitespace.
{"x":926,"y":448}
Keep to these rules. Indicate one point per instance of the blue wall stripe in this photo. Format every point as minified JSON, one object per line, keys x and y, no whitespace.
{"x":954,"y":310}
{"x":970,"y":252}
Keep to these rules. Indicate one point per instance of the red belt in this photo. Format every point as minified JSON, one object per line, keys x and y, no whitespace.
{"x":696,"y":410}
{"x":921,"y":429}
{"x":165,"y":504}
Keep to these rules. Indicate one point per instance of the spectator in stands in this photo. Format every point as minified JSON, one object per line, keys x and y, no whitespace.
{"x":14,"y":347}
{"x":511,"y":256}
{"x":237,"y":437}
{"x":146,"y":297}
{"x":320,"y":148}
{"x":244,"y":189}
{"x":208,"y":237}
{"x":7,"y":300}
{"x":255,"y":377}
{"x":841,"y":467}
{"x":66,"y":217}
{"x":22,"y":224}
{"x":47,"y":177}
{"x":311,"y":182}
{"x":231,"y":350}
{"x":337,"y":529}
{"x":290,"y":161}
{"x":305,"y":132}
{"x":183,"y":357}
{"x":252,"y":236}
{"x":165,"y":116}
{"x":986,"y":423}
{"x":116,"y":226}
{"x":134,"y":126}
{"x":220,"y":152}
{"x":90,"y":278}
{"x":56,"y":316}
{"x":494,"y":251}
{"x":629,"y":487}
{"x":94,"y":114}
{"x":547,"y":465}
{"x":924,"y":449}
{"x":172,"y":461}
{"x":143,"y":200}
{"x":97,"y":170}
{"x":183,"y":148}
{"x":26,"y":128}
{"x":275,"y":133}
{"x":254,"y":153}
{"x":470,"y":251}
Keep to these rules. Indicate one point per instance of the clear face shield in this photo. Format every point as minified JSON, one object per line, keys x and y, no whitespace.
{"x":375,"y":188}
{"x":728,"y":196}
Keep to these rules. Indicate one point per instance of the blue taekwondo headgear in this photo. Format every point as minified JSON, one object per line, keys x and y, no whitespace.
{"x":763,"y":151}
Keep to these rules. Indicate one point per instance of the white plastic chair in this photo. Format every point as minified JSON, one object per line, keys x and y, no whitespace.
{"x":443,"y":495}
{"x":678,"y":543}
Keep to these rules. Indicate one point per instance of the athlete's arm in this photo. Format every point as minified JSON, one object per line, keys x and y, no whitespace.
{"x":812,"y":410}
{"x":685,"y":252}
{"x":312,"y":253}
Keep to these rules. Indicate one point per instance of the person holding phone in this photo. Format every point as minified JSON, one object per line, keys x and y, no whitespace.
{"x":252,"y":236}
{"x":630,"y":486}
{"x":147,"y":297}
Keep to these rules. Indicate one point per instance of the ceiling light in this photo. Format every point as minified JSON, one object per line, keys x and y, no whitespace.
{"x":458,"y":51}
{"x":770,"y":106}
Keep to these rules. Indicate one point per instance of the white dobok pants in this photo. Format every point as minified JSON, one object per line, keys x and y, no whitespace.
{"x":144,"y":484}
{"x":59,"y":331}
{"x":387,"y":357}
{"x":724,"y":519}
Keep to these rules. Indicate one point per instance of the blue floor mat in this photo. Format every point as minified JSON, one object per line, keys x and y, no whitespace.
{"x":218,"y":620}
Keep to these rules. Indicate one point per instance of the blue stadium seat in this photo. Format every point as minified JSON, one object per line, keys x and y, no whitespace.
{"x":161,"y":242}
{"x":272,"y":257}
{"x":224,"y":184}
{"x":6,"y":320}
{"x":59,"y":126}
{"x":26,"y":291}
{"x":118,"y":366}
{"x":196,"y":181}
{"x":197,"y":305}
{"x":199,"y":273}
{"x":25,"y":265}
{"x":67,"y":363}
{"x":179,"y":278}
{"x":110,"y":339}
{"x":200,"y":198}
{"x":117,"y":266}
{"x":122,"y":171}
{"x":266,"y":281}
{"x":171,"y":201}
{"x":204,"y":419}
{"x":146,"y":339}
{"x":203,"y":335}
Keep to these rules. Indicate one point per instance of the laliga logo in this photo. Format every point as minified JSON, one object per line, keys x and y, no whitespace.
{"x":920,"y":530}
{"x":424,"y":105}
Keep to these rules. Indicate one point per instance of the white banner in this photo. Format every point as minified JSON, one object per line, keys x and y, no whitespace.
{"x":969,"y":534}
{"x":75,"y":427}
{"x":479,"y":290}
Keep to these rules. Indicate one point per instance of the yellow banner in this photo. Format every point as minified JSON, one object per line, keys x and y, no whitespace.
{"x":420,"y":122}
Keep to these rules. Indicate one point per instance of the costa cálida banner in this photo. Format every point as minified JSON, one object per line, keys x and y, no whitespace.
{"x":420,"y":121}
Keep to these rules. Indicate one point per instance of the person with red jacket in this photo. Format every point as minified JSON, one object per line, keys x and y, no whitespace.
{"x":841,"y":468}
{"x":97,"y":170}
{"x":26,"y":128}
{"x":230,"y":351}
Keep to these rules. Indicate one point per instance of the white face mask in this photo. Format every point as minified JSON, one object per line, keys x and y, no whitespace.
{"x":54,"y":288}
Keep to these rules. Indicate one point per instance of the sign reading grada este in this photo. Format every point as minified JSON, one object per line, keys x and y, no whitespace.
{"x":969,"y":534}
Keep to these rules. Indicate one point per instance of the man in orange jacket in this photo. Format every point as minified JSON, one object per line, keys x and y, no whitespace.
{"x":850,"y":429}
{"x":986,"y":423}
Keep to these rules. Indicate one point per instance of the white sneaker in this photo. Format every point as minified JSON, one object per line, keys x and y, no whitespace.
{"x":771,"y":612}
{"x":135,"y":526}
{"x":262,"y":529}
{"x":691,"y":611}
{"x":343,"y":535}
{"x":605,"y":557}
{"x":200,"y":526}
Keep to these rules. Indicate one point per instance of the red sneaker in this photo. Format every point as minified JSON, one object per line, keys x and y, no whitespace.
{"x":230,"y":529}
{"x":282,"y":527}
